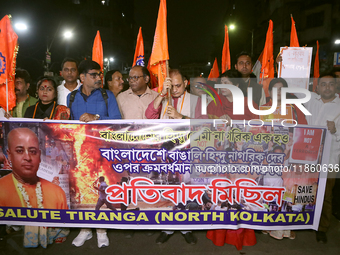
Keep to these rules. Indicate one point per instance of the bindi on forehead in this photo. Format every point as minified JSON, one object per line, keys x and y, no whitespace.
{"x":46,"y":85}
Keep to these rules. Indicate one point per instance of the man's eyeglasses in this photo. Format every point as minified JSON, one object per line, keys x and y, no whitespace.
{"x":134,"y":78}
{"x":94,"y":75}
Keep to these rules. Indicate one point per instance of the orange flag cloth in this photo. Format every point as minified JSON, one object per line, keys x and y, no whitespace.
{"x":316,"y":67}
{"x":294,"y":42}
{"x":267,"y":68}
{"x":226,"y":52}
{"x":139,"y":52}
{"x":97,"y":51}
{"x":214,"y":73}
{"x":160,"y":53}
{"x":8,"y":55}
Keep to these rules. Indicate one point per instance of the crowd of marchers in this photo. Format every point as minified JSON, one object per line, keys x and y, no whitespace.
{"x":83,"y":96}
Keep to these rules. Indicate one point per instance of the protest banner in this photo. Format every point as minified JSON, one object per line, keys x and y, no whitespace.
{"x":295,"y":66}
{"x":169,"y":175}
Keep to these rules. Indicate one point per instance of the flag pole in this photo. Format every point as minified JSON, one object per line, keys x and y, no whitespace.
{"x":167,"y":75}
{"x":6,"y":95}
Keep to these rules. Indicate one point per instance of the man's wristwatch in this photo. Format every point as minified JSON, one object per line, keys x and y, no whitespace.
{"x":97,"y":116}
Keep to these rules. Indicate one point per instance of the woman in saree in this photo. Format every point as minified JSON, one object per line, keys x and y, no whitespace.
{"x":241,"y":236}
{"x":47,"y":107}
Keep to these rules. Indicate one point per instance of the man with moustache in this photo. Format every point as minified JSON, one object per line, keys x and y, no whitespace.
{"x":183,"y":104}
{"x":134,"y":101}
{"x":24,"y":100}
{"x":90,"y":102}
{"x":69,"y":71}
{"x":325,"y":110}
{"x":244,"y":65}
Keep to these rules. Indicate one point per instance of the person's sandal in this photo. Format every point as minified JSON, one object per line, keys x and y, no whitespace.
{"x":274,"y":236}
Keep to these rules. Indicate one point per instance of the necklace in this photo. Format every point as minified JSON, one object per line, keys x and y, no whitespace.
{"x":25,"y":196}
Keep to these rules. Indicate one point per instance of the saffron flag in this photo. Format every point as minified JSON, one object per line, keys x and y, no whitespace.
{"x":139,"y":52}
{"x":267,"y":68}
{"x":214,"y":73}
{"x":8,"y":55}
{"x":226,"y":51}
{"x":316,"y":67}
{"x":294,"y":42}
{"x":160,"y":53}
{"x":97,"y":51}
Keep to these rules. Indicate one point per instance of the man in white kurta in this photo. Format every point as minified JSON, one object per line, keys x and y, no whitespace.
{"x":325,"y":110}
{"x":183,"y":106}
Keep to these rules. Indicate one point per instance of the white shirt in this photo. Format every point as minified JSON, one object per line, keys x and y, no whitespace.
{"x":63,"y":93}
{"x":321,"y":112}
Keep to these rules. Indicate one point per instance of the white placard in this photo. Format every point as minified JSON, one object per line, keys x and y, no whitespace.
{"x":51,"y":173}
{"x":295,"y":66}
{"x":46,"y":170}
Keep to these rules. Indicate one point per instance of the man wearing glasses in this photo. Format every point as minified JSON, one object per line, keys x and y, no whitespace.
{"x":69,"y":72}
{"x":133,"y":102}
{"x":90,"y":102}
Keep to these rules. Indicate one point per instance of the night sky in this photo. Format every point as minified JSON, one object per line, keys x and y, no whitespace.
{"x":195,"y":30}
{"x":191,"y":27}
